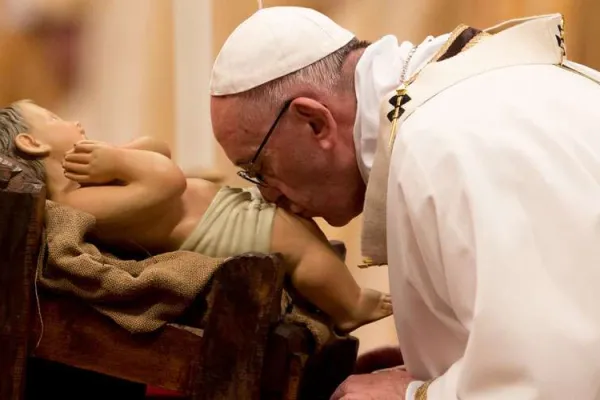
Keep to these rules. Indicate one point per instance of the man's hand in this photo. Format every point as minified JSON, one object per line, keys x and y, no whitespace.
{"x":383,"y":385}
{"x":91,"y":162}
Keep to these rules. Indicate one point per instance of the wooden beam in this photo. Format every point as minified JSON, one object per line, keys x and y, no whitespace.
{"x":21,"y":212}
{"x":246,"y":301}
{"x":77,"y":335}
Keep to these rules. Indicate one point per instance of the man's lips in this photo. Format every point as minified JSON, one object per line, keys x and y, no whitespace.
{"x":306,"y":214}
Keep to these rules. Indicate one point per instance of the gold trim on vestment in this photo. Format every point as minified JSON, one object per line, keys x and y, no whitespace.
{"x":478,"y":38}
{"x":421,"y":393}
{"x":368,"y":262}
{"x":453,"y":36}
{"x":561,"y":33}
{"x":461,"y":39}
{"x":403,"y":89}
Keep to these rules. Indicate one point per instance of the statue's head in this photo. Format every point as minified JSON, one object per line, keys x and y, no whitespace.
{"x":36,"y":137}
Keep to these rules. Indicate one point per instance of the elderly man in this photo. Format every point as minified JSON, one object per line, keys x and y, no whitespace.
{"x":476,"y":158}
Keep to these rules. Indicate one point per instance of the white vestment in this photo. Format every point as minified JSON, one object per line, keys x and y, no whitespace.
{"x":493,"y":236}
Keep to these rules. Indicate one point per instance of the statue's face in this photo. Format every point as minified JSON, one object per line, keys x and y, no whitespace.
{"x":48,"y":132}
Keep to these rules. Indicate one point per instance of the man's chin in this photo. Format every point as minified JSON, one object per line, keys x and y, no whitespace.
{"x":337,"y":222}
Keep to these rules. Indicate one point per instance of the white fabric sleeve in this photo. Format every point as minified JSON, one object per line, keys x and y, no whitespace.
{"x":513,"y":236}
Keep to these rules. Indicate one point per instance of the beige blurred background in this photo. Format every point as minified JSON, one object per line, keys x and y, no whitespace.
{"x":126,"y":68}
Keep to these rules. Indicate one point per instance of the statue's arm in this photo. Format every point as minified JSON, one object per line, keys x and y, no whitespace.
{"x":149,"y":144}
{"x":148,"y":181}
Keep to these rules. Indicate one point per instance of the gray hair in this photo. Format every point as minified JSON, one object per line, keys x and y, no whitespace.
{"x":325,"y":74}
{"x":12,"y":123}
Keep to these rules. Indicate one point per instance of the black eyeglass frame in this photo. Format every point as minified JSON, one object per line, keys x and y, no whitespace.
{"x":249,"y":170}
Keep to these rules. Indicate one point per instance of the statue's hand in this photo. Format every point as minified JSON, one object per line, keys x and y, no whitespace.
{"x":91,"y":162}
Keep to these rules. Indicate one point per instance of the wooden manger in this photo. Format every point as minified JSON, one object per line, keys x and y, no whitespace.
{"x":245,"y":351}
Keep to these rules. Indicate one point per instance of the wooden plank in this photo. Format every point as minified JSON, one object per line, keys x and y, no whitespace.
{"x":325,"y":370}
{"x":21,"y":213}
{"x":50,"y":380}
{"x":175,"y":357}
{"x":287,"y":349}
{"x":247,"y":299}
{"x":79,"y":336}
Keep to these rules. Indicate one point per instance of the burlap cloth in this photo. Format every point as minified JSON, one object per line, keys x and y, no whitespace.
{"x":139,"y":295}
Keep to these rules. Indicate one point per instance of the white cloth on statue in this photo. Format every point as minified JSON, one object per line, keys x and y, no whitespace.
{"x":494,"y":238}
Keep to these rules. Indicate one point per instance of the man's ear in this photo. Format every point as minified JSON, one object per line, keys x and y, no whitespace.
{"x":31,"y":146}
{"x":317,"y":116}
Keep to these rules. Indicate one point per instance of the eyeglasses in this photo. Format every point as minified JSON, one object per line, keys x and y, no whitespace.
{"x":250,"y":170}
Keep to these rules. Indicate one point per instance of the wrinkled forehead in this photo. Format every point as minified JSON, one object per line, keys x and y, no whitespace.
{"x":237,"y":127}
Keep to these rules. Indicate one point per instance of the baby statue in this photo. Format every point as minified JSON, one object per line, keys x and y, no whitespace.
{"x":141,"y":199}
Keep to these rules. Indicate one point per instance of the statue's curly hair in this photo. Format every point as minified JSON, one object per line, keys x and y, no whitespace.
{"x":12,"y":123}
